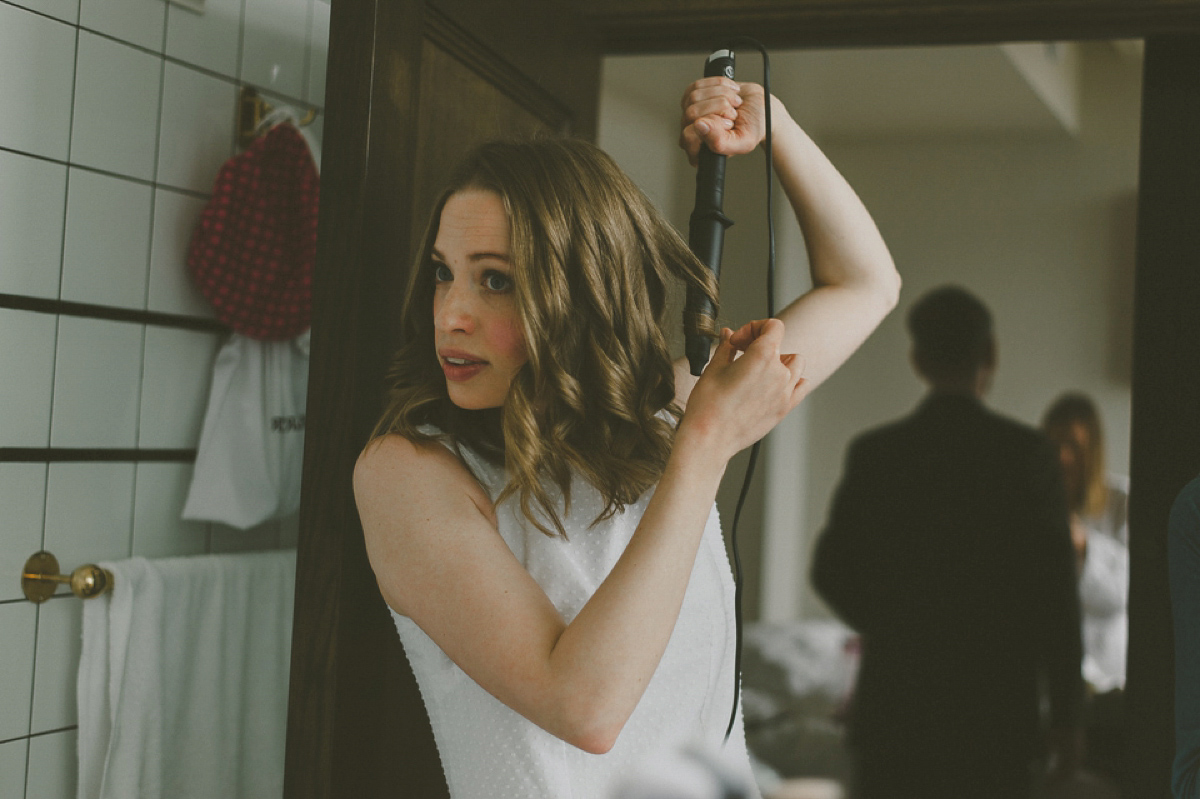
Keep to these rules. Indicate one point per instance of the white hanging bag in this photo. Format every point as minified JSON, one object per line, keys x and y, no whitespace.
{"x":248,"y":463}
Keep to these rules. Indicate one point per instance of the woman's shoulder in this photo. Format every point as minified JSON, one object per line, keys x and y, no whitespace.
{"x":395,"y":464}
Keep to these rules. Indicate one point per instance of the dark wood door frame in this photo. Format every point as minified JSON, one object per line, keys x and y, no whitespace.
{"x":641,"y":26}
{"x":339,"y":741}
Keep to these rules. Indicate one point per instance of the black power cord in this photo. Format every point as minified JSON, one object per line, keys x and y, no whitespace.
{"x":737,"y":513}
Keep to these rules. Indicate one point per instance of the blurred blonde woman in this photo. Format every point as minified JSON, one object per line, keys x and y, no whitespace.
{"x":1099,"y":502}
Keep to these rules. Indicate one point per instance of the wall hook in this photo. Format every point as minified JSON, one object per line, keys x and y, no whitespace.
{"x":251,"y":110}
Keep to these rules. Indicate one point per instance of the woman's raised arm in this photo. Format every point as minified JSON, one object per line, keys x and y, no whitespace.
{"x":855,"y":283}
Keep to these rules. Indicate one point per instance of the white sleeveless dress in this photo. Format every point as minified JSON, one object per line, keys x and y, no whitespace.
{"x":489,"y":751}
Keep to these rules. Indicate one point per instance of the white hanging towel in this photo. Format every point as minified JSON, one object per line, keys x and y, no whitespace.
{"x":251,"y":448}
{"x":183,"y":678}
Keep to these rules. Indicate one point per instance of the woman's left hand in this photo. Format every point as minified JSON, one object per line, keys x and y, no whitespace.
{"x":727,"y":116}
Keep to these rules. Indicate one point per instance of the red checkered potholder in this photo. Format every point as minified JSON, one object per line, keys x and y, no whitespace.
{"x":253,"y":249}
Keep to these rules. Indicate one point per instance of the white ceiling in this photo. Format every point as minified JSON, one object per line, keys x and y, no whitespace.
{"x":893,"y":92}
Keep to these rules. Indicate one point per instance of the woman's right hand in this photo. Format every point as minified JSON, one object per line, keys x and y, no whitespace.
{"x":746,"y":389}
{"x":726,"y":116}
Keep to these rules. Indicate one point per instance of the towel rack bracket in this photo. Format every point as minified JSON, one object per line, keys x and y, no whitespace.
{"x":40,"y":578}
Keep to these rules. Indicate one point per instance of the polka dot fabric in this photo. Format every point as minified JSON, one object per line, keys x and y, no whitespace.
{"x":253,"y":250}
{"x":489,"y":751}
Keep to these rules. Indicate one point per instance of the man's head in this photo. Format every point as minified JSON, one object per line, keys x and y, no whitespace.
{"x":953,"y":345}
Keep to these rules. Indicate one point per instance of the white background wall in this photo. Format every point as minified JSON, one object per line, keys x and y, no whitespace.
{"x":116,"y":117}
{"x":1039,"y":224}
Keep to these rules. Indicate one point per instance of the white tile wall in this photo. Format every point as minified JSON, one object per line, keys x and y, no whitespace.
{"x":230,"y":539}
{"x":17,"y":622}
{"x":97,"y":379}
{"x":318,"y":53}
{"x":171,"y":288}
{"x":116,"y":107}
{"x":273,"y":45}
{"x":12,"y":768}
{"x":106,"y":250}
{"x":32,"y":198}
{"x":158,"y":531}
{"x":209,"y":40}
{"x":26,"y":378}
{"x":89,"y":512}
{"x":53,"y":767}
{"x":107,"y":153}
{"x":198,"y":118}
{"x":139,"y":22}
{"x":37,"y":71}
{"x":59,"y":641}
{"x":178,"y":371}
{"x":66,"y":10}
{"x":23,"y":498}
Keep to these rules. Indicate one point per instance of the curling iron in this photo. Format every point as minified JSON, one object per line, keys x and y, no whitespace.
{"x":706,"y":237}
{"x":706,"y":229}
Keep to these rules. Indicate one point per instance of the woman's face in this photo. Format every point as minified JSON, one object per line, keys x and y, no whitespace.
{"x":476,"y":328}
{"x":1072,"y":452}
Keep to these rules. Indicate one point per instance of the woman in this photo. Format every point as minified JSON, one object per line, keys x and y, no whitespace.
{"x":1098,"y":503}
{"x":538,"y":503}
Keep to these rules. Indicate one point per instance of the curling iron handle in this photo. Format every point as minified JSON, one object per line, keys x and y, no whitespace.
{"x":706,"y":231}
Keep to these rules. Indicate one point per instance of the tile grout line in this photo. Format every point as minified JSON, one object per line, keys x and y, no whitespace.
{"x":193,"y":193}
{"x":37,"y":618}
{"x":41,"y":734}
{"x":141,"y":396}
{"x":62,"y":260}
{"x":241,"y":44}
{"x":307,"y":62}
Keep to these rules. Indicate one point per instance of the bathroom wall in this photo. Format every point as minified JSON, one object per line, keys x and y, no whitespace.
{"x":114,"y":118}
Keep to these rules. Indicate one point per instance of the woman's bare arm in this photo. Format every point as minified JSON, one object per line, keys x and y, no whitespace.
{"x":855,"y":283}
{"x":438,"y":557}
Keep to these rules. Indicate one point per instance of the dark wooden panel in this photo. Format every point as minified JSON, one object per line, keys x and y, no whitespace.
{"x":349,"y":716}
{"x":545,"y":39}
{"x":628,"y":26}
{"x":1165,"y":429}
{"x":461,"y":108}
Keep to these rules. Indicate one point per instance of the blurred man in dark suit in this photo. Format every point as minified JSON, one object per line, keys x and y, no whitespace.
{"x":949,"y":550}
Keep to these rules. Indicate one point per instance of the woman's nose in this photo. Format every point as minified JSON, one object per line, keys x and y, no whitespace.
{"x":453,"y":310}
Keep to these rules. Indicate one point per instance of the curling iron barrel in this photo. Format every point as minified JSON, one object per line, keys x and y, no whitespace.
{"x":706,"y":230}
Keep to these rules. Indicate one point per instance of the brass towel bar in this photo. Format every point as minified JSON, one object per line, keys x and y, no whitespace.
{"x":40,"y":578}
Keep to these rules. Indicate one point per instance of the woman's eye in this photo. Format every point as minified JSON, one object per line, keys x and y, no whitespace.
{"x":441,"y":273}
{"x":497,"y":281}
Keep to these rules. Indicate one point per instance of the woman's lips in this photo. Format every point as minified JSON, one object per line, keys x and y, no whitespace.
{"x":459,"y":369}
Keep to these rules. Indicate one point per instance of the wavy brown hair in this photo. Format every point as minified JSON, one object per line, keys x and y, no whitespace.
{"x":1068,"y":410}
{"x":592,"y":264}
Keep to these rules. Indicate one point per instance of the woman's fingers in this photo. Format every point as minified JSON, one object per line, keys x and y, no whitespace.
{"x":706,"y":131}
{"x":723,"y":115}
{"x":723,"y":106}
{"x":748,"y":386}
{"x":748,"y":333}
{"x":707,"y":88}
